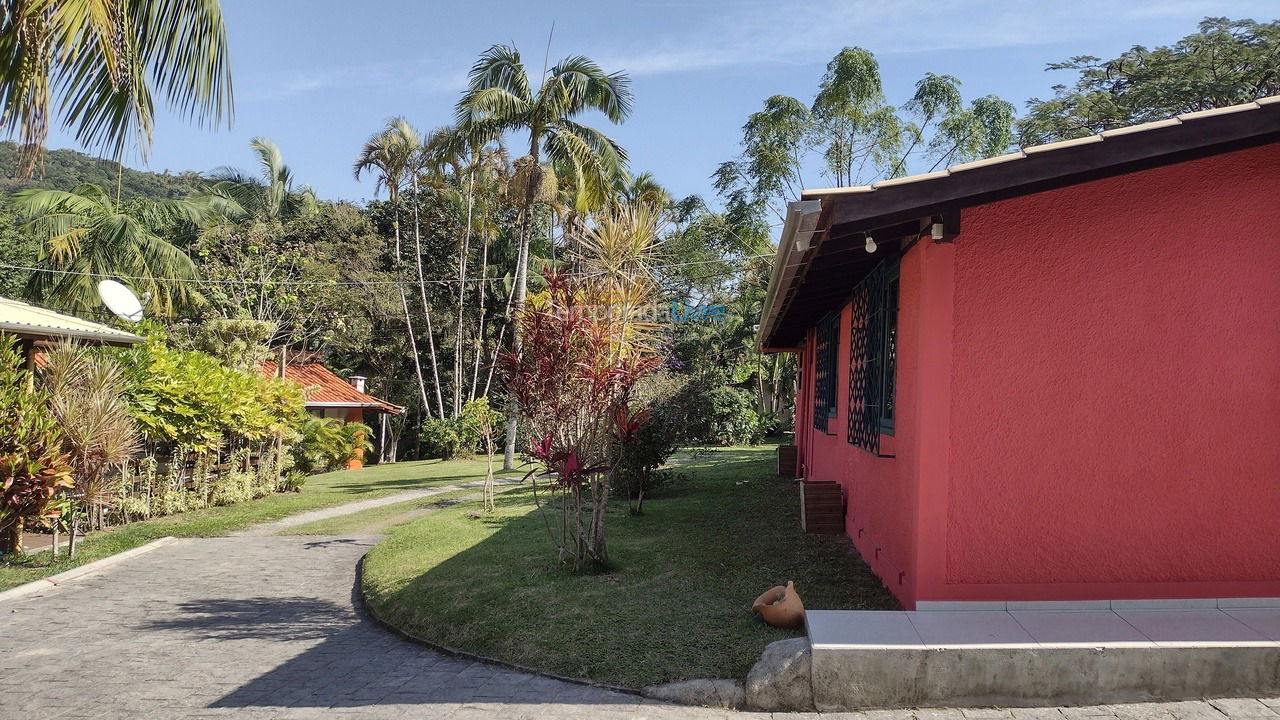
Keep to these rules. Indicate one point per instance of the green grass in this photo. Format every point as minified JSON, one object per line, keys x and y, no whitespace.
{"x":675,"y":606}
{"x":321,"y":491}
{"x":383,"y":519}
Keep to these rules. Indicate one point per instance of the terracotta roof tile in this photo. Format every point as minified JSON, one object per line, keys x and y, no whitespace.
{"x":326,"y":389}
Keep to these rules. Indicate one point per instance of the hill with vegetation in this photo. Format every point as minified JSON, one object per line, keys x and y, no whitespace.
{"x":64,"y":169}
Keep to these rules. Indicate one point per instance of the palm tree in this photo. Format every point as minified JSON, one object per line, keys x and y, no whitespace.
{"x":101,"y":62}
{"x":392,"y":153}
{"x":472,"y":158}
{"x":644,"y":188}
{"x":236,"y":195}
{"x":499,"y":98}
{"x":87,"y":236}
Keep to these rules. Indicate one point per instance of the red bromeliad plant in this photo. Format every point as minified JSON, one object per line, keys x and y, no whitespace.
{"x":572,"y":383}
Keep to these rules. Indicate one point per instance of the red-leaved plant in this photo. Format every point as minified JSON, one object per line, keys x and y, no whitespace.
{"x":572,"y":383}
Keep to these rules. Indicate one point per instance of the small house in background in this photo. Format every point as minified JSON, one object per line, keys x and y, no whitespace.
{"x":1050,"y":376}
{"x":37,"y":327}
{"x":329,"y":396}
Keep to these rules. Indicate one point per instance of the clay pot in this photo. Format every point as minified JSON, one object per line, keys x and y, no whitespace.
{"x":785,"y":613}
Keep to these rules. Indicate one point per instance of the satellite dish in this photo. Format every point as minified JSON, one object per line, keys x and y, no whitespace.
{"x":120,"y":300}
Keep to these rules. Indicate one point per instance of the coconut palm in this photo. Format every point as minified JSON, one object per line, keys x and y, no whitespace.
{"x":98,"y":63}
{"x":88,"y":236}
{"x":236,"y":195}
{"x":392,"y":153}
{"x":500,"y":97}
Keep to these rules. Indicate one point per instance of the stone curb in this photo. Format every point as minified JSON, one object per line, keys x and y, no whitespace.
{"x":365,"y":608}
{"x":53,"y":581}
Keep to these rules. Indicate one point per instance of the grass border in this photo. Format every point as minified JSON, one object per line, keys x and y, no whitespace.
{"x":365,"y":609}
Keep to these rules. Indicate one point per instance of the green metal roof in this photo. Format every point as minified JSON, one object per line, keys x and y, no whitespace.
{"x":30,"y":321}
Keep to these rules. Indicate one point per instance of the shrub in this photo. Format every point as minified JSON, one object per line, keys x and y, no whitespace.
{"x":328,"y":443}
{"x":33,"y":469}
{"x":732,"y":418}
{"x":712,"y":413}
{"x":293,"y":481}
{"x":441,"y":438}
{"x":636,"y":470}
{"x":462,"y":436}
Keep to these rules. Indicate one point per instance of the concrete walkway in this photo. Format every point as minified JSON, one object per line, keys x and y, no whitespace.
{"x":266,"y":627}
{"x":272,"y":528}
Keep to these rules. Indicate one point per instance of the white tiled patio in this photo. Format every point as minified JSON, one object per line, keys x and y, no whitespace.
{"x":1045,"y":654}
{"x":1128,"y":624}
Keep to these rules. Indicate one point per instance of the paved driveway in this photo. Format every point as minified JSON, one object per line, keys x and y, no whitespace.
{"x":265,"y":627}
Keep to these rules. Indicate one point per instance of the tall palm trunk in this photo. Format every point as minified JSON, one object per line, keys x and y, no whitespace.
{"x":458,"y":372}
{"x":426,"y":307}
{"x":522,"y":290}
{"x":404,"y":302}
{"x":480,"y":290}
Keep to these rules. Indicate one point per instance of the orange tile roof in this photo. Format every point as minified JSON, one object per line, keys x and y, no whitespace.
{"x":325,"y":389}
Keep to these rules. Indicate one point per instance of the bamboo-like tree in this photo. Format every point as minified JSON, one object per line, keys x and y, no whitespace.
{"x":86,"y":236}
{"x":392,"y":153}
{"x":500,"y":95}
{"x":97,"y":64}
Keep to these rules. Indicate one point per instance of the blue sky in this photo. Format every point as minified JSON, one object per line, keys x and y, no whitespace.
{"x":318,"y":76}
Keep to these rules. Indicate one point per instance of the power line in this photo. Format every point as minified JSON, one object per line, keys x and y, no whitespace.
{"x":331,"y":283}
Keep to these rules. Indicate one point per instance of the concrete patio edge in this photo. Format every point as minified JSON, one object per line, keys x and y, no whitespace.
{"x":53,"y":581}
{"x":366,"y":608}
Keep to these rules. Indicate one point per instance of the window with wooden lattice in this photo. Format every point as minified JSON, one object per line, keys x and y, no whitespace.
{"x":873,"y":354}
{"x":824,"y":370}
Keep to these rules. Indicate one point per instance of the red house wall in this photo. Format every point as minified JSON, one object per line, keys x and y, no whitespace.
{"x":881,"y":493}
{"x":1088,"y":397}
{"x":1115,"y":414}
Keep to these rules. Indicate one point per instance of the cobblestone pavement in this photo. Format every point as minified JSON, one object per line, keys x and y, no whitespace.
{"x":265,"y":627}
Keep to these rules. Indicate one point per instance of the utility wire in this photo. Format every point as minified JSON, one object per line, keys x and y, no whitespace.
{"x":331,"y":283}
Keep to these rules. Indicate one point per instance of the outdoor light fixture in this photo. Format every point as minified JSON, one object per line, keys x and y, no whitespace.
{"x":938,"y":231}
{"x":870,"y":246}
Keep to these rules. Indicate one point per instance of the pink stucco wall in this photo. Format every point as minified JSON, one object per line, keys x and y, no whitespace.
{"x":1089,"y":397}
{"x":1115,"y":410}
{"x":880,"y":492}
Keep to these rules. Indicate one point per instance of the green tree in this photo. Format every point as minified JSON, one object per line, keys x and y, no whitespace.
{"x":86,"y":236}
{"x":499,"y":98}
{"x":98,"y":64}
{"x":1225,"y":62}
{"x":235,"y":195}
{"x":394,"y":154}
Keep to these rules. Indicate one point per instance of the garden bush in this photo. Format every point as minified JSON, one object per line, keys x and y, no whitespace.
{"x":33,"y":468}
{"x":707,"y":411}
{"x":460,"y":437}
{"x":635,"y":472}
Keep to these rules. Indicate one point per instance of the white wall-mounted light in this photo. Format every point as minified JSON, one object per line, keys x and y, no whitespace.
{"x":938,"y":231}
{"x":870,"y":246}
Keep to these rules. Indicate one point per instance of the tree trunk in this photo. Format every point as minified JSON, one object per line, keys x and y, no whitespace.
{"x":480,"y":290}
{"x":600,"y":496}
{"x":404,"y":303}
{"x":11,"y":538}
{"x":521,"y":290}
{"x":458,"y":372}
{"x":422,"y":290}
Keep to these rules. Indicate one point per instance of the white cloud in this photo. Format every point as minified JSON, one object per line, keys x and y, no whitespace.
{"x":808,"y":32}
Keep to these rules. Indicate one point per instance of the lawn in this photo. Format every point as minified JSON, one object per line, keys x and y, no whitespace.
{"x":676,"y":606}
{"x":324,"y":490}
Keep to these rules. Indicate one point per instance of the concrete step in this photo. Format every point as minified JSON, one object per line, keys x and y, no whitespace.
{"x":1041,"y":657}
